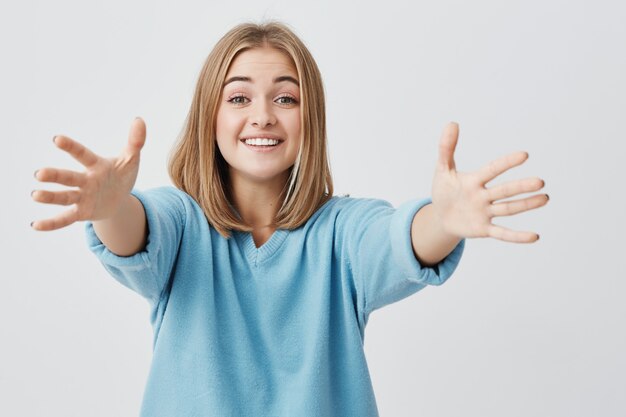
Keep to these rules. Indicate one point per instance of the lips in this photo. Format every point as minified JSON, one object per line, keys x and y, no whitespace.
{"x":262,"y":144}
{"x":262,"y":141}
{"x":262,"y":136}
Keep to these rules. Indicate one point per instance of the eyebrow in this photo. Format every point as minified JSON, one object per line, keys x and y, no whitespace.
{"x":276,"y":80}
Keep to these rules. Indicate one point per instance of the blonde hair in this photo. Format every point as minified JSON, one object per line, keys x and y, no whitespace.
{"x":197,"y":167}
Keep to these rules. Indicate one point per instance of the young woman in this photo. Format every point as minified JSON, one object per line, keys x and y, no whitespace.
{"x":260,"y":281}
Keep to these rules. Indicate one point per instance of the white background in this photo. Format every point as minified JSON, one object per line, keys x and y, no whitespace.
{"x":519,"y":330}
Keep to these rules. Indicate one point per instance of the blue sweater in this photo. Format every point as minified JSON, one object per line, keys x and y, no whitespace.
{"x":270,"y":331}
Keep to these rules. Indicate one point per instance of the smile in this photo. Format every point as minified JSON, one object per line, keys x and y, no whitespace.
{"x":261,"y":141}
{"x":262,"y":144}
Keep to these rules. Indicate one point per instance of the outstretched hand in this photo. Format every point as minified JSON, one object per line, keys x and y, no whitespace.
{"x":100,"y":189}
{"x":465,"y":206}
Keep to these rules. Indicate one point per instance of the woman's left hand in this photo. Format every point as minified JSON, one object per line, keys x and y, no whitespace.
{"x":465,"y":207}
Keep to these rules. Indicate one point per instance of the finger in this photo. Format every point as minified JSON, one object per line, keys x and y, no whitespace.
{"x":513,"y":188}
{"x":136,"y":137}
{"x":447,"y":145}
{"x":61,"y":176}
{"x":500,"y":165}
{"x":508,"y":208}
{"x":64,"y":219}
{"x":63,"y":198}
{"x":77,"y":150}
{"x":508,"y":235}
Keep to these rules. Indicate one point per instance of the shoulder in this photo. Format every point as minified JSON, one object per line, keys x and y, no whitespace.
{"x":355,"y":216}
{"x":166,"y":194}
{"x":348,"y":208}
{"x":344,"y":210}
{"x":167,"y":199}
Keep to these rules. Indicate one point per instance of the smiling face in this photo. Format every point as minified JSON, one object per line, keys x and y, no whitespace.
{"x":258,"y":118}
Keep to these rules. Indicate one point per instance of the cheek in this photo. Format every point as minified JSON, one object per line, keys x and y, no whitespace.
{"x":297,"y":128}
{"x":221,"y":123}
{"x":218,"y":122}
{"x":223,"y":132}
{"x":294,"y":123}
{"x":226,"y":124}
{"x":293,"y":127}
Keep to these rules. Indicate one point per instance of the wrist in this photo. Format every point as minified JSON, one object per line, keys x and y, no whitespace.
{"x":430,"y":239}
{"x":441,"y":226}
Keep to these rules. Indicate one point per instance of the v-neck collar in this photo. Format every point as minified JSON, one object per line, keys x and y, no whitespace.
{"x":258,"y":255}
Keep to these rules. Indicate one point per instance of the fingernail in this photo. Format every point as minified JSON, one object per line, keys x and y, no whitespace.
{"x":547,"y":196}
{"x":31,"y":193}
{"x":31,"y":224}
{"x":36,"y":173}
{"x":538,"y":237}
{"x":53,"y":138}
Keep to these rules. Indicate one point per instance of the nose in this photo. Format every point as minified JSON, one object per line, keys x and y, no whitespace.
{"x":262,"y":115}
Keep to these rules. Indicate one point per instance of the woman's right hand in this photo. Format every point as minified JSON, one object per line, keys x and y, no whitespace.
{"x":102,"y":187}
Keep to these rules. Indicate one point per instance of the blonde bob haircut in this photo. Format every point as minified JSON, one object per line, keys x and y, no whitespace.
{"x":196,"y":165}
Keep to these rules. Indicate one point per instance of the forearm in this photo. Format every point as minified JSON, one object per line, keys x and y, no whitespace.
{"x":430,"y":242}
{"x":125,"y":233}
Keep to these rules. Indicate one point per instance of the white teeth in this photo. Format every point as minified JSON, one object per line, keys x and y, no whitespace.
{"x":261,"y":141}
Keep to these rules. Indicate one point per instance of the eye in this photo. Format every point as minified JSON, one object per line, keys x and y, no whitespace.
{"x":236,"y":99}
{"x":290,"y":100}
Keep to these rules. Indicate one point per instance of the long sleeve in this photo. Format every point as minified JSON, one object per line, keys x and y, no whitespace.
{"x":379,"y":250}
{"x":147,"y":271}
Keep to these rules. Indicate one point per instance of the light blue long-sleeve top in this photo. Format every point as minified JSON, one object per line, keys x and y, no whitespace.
{"x":270,"y":331}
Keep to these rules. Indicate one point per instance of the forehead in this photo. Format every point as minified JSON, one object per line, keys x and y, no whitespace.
{"x":262,"y":59}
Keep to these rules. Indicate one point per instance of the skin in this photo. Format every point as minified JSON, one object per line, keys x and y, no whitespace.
{"x":248,"y":108}
{"x":102,"y":193}
{"x":462,"y":204}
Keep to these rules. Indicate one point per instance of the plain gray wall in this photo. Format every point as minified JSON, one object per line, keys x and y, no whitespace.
{"x":519,"y":330}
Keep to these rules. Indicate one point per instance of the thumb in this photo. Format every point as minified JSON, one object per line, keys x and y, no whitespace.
{"x":136,"y":136}
{"x":447,"y":145}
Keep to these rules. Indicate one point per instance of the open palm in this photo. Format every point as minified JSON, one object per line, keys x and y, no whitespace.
{"x":465,"y":206}
{"x":100,"y":188}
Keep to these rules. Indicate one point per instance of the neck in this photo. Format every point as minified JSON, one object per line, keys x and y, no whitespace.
{"x":258,"y":202}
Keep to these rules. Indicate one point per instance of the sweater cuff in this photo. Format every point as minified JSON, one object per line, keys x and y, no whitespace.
{"x":139,"y":260}
{"x":403,"y":249}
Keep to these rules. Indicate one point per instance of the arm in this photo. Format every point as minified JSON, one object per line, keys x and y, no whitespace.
{"x":103,"y":195}
{"x":124,"y":233}
{"x":430,"y":242}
